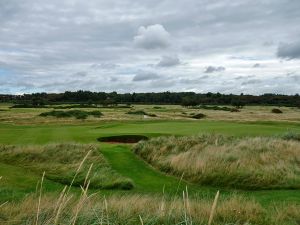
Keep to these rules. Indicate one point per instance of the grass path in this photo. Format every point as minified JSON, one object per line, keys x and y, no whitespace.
{"x":149,"y":180}
{"x":146,"y":178}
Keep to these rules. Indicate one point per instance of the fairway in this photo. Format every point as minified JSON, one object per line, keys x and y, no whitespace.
{"x":86,"y":133}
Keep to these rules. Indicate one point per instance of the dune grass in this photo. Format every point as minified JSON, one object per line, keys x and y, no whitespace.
{"x":130,"y":209}
{"x":247,"y":163}
{"x":60,"y":162}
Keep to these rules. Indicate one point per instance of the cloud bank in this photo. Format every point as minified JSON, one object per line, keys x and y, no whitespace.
{"x":141,"y":46}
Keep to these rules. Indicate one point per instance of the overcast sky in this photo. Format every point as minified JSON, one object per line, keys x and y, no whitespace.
{"x":249,"y":46}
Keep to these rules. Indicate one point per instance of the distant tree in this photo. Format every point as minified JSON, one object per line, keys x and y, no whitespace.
{"x":237,"y":103}
{"x":189,"y":101}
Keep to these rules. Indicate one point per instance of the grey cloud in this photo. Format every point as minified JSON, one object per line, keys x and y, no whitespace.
{"x":289,"y":51}
{"x":294,"y":77}
{"x":105,"y":65}
{"x":199,"y":80}
{"x":43,"y":40}
{"x":113,"y":79}
{"x":158,"y":84}
{"x":169,"y":61}
{"x":257,"y":65}
{"x":251,"y":81}
{"x":152,"y":37}
{"x":145,"y":76}
{"x":244,"y":77}
{"x":212,"y":69}
{"x":81,"y":74}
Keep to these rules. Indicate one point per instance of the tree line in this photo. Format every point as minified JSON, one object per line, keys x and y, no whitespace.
{"x":183,"y":98}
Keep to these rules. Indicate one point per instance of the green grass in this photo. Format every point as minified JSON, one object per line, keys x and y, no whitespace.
{"x":62,"y":163}
{"x":16,"y":182}
{"x":87,"y":133}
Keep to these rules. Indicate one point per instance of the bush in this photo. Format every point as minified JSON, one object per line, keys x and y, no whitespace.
{"x":198,"y":116}
{"x":291,"y":136}
{"x":234,"y":110}
{"x":215,"y":107}
{"x":138,"y":112}
{"x":96,"y":113}
{"x":78,"y":114}
{"x":276,"y":110}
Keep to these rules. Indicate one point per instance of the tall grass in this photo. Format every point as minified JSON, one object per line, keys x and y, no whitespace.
{"x":145,"y":209}
{"x":140,"y":209}
{"x":60,"y":161}
{"x":247,"y":163}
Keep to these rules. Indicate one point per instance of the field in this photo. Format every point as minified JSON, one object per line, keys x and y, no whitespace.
{"x":31,"y":144}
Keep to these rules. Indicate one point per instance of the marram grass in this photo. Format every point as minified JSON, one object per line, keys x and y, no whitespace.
{"x":245,"y":163}
{"x":145,"y":209}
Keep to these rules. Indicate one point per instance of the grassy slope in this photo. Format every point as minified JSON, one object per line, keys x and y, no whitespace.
{"x":123,"y":160}
{"x":61,"y":162}
{"x":17,"y":182}
{"x":251,"y":163}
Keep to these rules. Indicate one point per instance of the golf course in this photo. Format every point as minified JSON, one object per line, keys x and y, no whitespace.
{"x":35,"y":148}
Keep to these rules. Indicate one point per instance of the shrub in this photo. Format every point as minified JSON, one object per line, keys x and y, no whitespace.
{"x":138,"y":112}
{"x":198,"y":116}
{"x":234,"y":110}
{"x":224,"y":108}
{"x":275,"y":110}
{"x":96,"y":113}
{"x":291,"y":136}
{"x":78,"y":114}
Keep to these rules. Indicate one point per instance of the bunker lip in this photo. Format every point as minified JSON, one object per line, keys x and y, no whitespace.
{"x":126,"y":139}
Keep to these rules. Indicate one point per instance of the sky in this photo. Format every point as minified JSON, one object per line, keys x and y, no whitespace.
{"x":244,"y":46}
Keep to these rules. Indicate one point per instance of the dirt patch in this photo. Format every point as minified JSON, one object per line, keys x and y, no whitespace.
{"x":123,"y":139}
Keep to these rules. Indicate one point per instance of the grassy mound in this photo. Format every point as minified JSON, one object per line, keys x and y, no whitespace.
{"x":141,"y":112}
{"x":248,"y":163}
{"x":78,"y":114}
{"x":137,"y":209}
{"x":123,"y":138}
{"x":61,"y":162}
